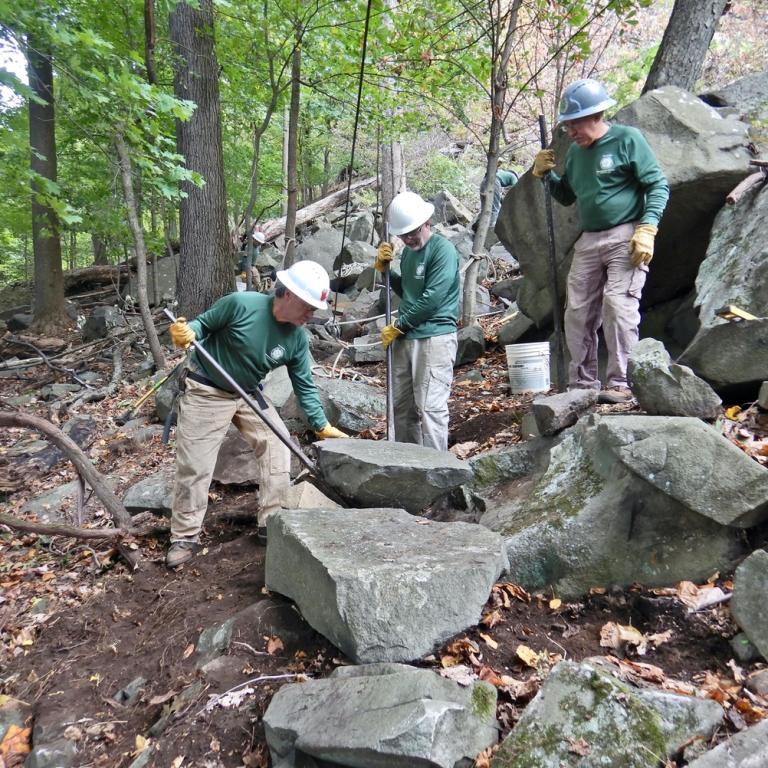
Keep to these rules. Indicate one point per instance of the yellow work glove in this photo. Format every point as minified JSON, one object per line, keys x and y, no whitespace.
{"x":181,"y":334}
{"x":389,"y":333}
{"x":543,"y":162}
{"x":328,"y":431}
{"x":384,"y":255}
{"x":641,"y":244}
{"x":243,"y":276}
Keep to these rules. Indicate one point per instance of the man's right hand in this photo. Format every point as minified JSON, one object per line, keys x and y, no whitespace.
{"x":384,"y":255}
{"x":181,"y":334}
{"x":543,"y":163}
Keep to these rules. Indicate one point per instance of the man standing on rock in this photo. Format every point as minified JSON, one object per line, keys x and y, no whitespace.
{"x":620,"y":191}
{"x":425,"y":330}
{"x":248,"y":334}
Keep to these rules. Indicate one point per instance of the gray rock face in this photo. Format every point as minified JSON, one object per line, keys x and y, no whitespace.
{"x":748,"y":605}
{"x":471,"y":344}
{"x":360,"y":227}
{"x":615,"y":724}
{"x":723,"y":483}
{"x":516,"y":325}
{"x":352,"y":406}
{"x":556,"y":412}
{"x":591,"y":507}
{"x":375,"y":473}
{"x":153,"y":494}
{"x":450,"y":210}
{"x":381,"y":715}
{"x":323,"y":247}
{"x":167,"y":267}
{"x":100,"y":322}
{"x":703,"y":157}
{"x":734,"y":272}
{"x":364,"y":351}
{"x":746,"y":749}
{"x":666,"y":388}
{"x":381,"y":584}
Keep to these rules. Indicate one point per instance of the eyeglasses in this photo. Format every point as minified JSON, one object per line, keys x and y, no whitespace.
{"x":412,"y":233}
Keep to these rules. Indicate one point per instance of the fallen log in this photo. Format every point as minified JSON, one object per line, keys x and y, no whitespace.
{"x":98,"y":274}
{"x":274,"y":228}
{"x":760,"y":177}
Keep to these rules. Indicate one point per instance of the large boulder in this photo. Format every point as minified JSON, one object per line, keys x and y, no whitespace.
{"x":380,"y":584}
{"x":352,"y":406}
{"x":381,"y":715}
{"x":586,"y":717}
{"x":666,"y":388}
{"x":375,"y":473}
{"x":748,"y":604}
{"x":324,"y":246}
{"x":703,"y":156}
{"x":734,"y":272}
{"x":746,"y":749}
{"x":616,"y":499}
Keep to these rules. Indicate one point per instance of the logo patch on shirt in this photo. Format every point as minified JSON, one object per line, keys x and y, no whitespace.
{"x":607,"y":163}
{"x":276,"y":354}
{"x":420,"y":270}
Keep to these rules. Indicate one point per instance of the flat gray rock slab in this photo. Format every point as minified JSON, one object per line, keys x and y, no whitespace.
{"x":612,"y":723}
{"x":747,"y":749}
{"x":721,"y":482}
{"x":665,"y":388}
{"x":377,"y":473}
{"x":556,"y":412}
{"x":380,"y":584}
{"x":381,"y":715}
{"x":748,"y":604}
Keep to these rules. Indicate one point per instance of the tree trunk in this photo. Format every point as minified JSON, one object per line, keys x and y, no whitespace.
{"x":293,"y":135}
{"x":685,"y":43}
{"x":502,"y":46}
{"x":205,"y":271}
{"x":48,"y":313}
{"x":99,"y":244}
{"x":149,"y":41}
{"x":141,"y":251}
{"x":286,"y":132}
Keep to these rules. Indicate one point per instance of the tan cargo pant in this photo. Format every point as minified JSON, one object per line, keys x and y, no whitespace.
{"x":422,"y":372}
{"x":205,"y":414}
{"x":603,"y":289}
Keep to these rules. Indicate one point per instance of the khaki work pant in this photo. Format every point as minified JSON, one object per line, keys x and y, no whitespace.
{"x":603,"y":289}
{"x":422,"y":372}
{"x":205,"y":414}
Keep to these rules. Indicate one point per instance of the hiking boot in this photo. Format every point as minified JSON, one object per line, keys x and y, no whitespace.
{"x":181,"y":551}
{"x":615,"y":396}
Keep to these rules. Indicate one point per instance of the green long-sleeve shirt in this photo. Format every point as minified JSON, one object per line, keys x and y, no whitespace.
{"x":428,"y":285}
{"x":615,"y":180}
{"x":240,"y":332}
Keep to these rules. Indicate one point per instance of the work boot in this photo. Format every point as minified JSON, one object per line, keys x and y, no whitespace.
{"x":615,"y":396}
{"x":181,"y":551}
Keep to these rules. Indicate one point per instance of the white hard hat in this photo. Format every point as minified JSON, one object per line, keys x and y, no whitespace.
{"x":407,"y":211}
{"x":307,"y":280}
{"x":260,"y":237}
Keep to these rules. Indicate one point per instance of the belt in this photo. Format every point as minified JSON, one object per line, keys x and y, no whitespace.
{"x":200,"y":379}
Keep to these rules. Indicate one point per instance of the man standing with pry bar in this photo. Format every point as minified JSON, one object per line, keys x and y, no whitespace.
{"x":620,"y":191}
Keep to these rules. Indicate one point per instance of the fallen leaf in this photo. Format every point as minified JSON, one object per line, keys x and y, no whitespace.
{"x":489,"y":641}
{"x":73,"y":733}
{"x":491,"y":619}
{"x":16,"y":741}
{"x":140,"y":743}
{"x":188,"y":651}
{"x":459,"y":673}
{"x":613,"y":635}
{"x":215,"y":745}
{"x":177,"y":762}
{"x":449,"y":661}
{"x":579,"y":747}
{"x":527,"y":655}
{"x":162,"y":698}
{"x":555,"y":603}
{"x":732,"y":412}
{"x":274,"y":645}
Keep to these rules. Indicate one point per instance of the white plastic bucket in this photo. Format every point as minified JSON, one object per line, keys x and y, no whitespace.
{"x":528,"y":366}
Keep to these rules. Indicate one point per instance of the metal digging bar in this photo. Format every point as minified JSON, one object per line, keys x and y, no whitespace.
{"x":388,"y":320}
{"x":253,"y":405}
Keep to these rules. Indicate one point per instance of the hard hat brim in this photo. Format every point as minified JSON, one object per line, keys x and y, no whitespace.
{"x":420,"y":217}
{"x":285,"y":278}
{"x":593,"y":110}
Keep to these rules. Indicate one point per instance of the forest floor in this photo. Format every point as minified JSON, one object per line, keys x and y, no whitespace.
{"x":76,"y":626}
